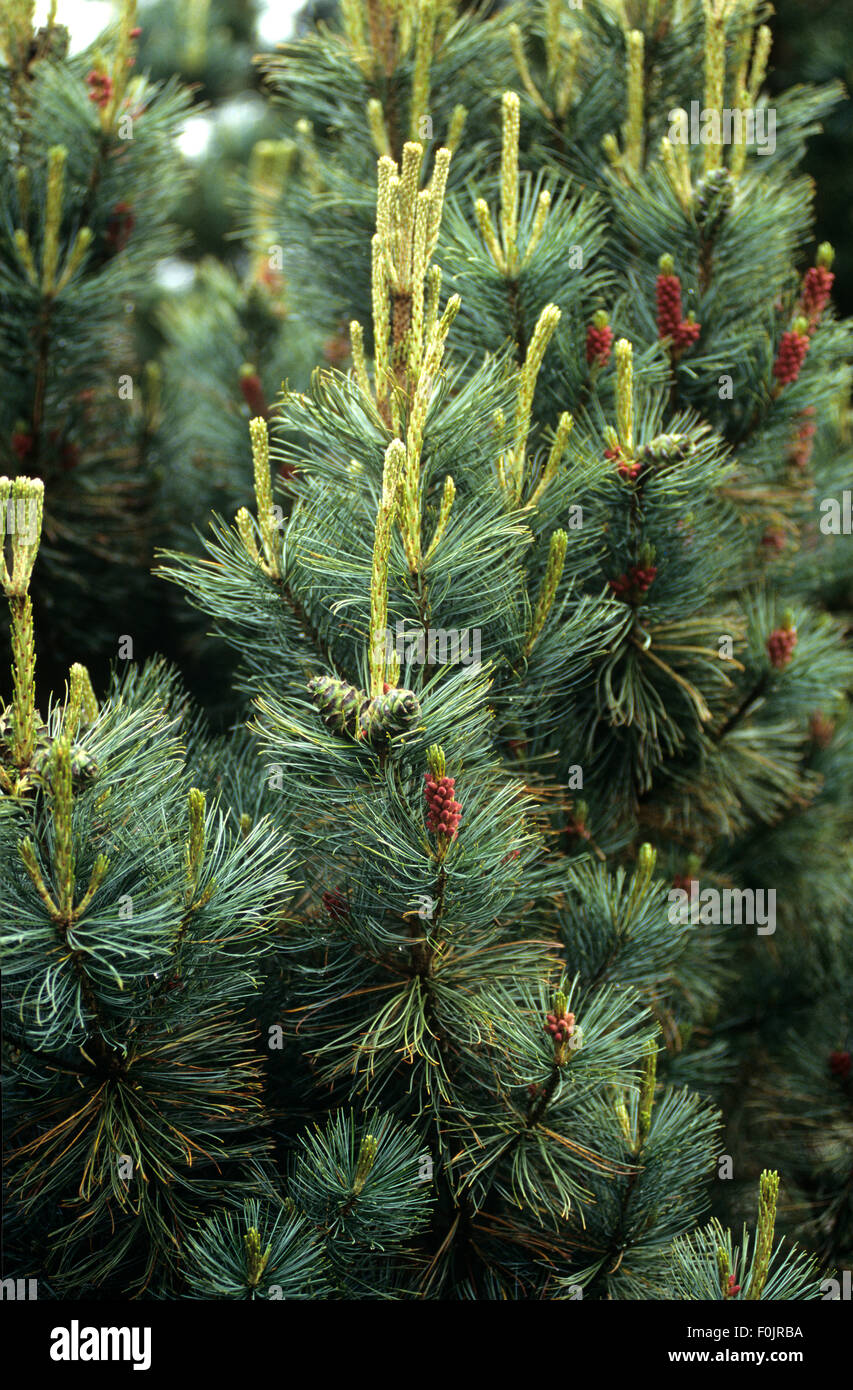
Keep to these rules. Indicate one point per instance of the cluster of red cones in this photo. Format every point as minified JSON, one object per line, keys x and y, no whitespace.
{"x":780,"y":646}
{"x":444,"y":812}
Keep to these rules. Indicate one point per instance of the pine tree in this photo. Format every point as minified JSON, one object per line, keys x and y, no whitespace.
{"x":543,"y":654}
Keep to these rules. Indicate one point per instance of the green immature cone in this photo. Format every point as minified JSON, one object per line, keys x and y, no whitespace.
{"x":725,"y":1268}
{"x":76,"y":256}
{"x":308,"y":154}
{"x":21,"y":511}
{"x":634,"y":126}
{"x":256,"y":1262}
{"x":437,"y":189}
{"x":647,"y":1094}
{"x":379,"y":294}
{"x":568,"y":71}
{"x":423,"y":59}
{"x":153,"y":389}
{"x":621,"y":1112}
{"x":21,"y":514}
{"x":548,"y":587}
{"x":61,"y":796}
{"x":364,"y":1164}
{"x":263,"y":495}
{"x":99,"y":871}
{"x":339,"y":703}
{"x":391,"y":713}
{"x":82,"y":707}
{"x":246,"y":531}
{"x":26,"y":849}
{"x":712,"y":200}
{"x":543,"y":207}
{"x":419,"y":270}
{"x":22,"y":181}
{"x":488,"y":233}
{"x":269,"y":165}
{"x":392,"y":473}
{"x":555,"y":457}
{"x":546,"y":326}
{"x":509,"y":175}
{"x":715,"y":76}
{"x":356,"y":336}
{"x":758,"y":71}
{"x":610,"y":148}
{"x":767,"y":1199}
{"x":447,"y":498}
{"x":667,"y":448}
{"x":624,"y":354}
{"x":195,"y":843}
{"x":352,"y":19}
{"x":377,"y":127}
{"x":674,"y":173}
{"x":647,"y":558}
{"x":23,"y":680}
{"x":516,"y":44}
{"x":436,"y":761}
{"x":25,"y":255}
{"x":56,"y":158}
{"x":646,"y":859}
{"x":456,"y":127}
{"x":825,"y":255}
{"x":552,"y":37}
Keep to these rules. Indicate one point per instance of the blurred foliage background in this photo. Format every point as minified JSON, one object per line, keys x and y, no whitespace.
{"x":814,"y":43}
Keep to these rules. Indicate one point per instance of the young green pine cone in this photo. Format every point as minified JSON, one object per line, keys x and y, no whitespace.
{"x":667,"y":448}
{"x":713,"y":199}
{"x":339,"y":703}
{"x":392,"y":712}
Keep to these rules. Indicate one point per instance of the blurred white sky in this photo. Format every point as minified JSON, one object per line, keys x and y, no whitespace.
{"x":86,"y":18}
